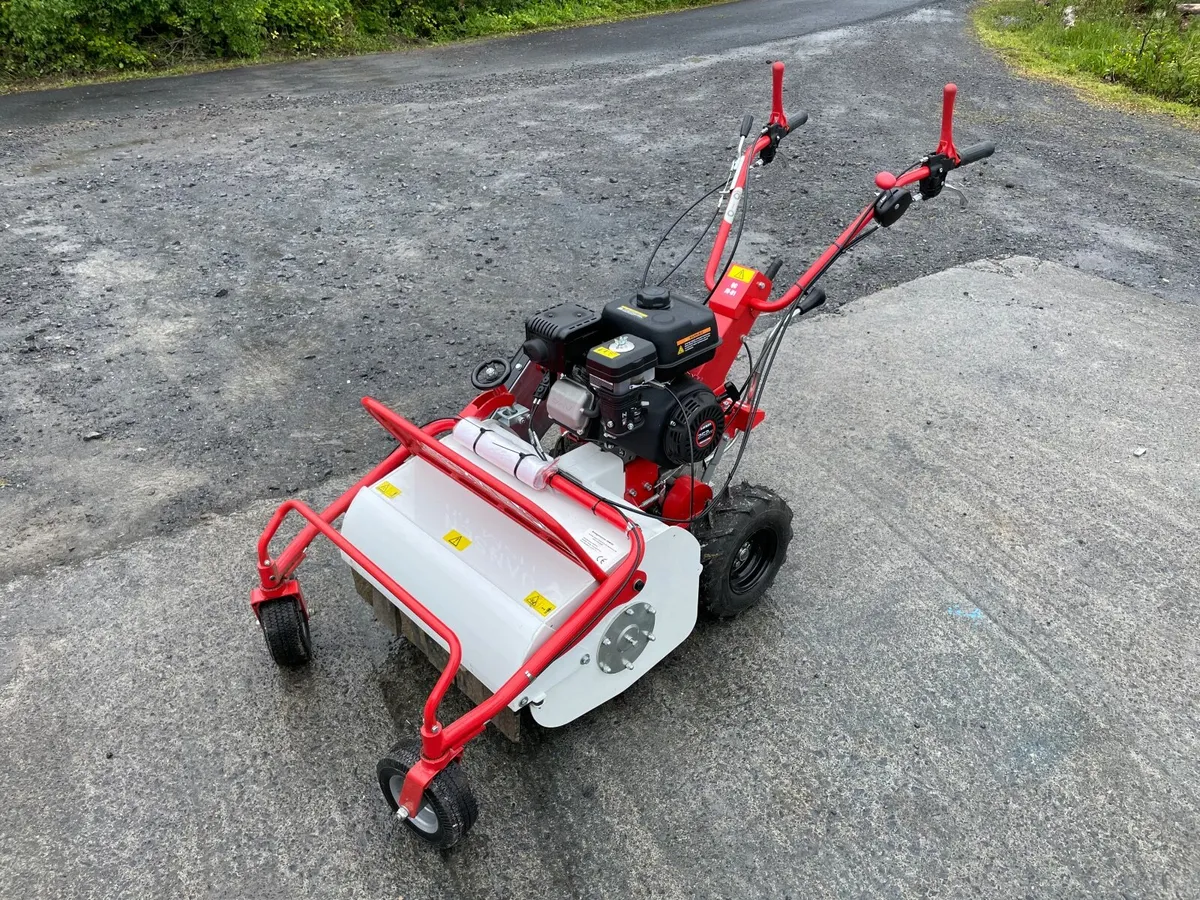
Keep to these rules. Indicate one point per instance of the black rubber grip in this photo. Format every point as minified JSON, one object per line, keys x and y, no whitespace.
{"x":797,"y":120}
{"x":975,"y":153}
{"x":747,"y":124}
{"x":774,"y":267}
{"x":815,"y":298}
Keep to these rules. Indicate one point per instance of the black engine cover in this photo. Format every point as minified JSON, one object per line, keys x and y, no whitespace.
{"x":683,"y":332}
{"x":682,"y":425}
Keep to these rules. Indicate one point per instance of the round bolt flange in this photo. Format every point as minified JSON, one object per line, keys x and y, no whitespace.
{"x":626,"y":638}
{"x":587,"y":658}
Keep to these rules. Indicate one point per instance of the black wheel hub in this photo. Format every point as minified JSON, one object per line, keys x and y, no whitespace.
{"x":752,"y":561}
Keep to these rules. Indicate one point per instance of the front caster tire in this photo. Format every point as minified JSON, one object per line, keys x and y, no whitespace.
{"x":285,"y":629}
{"x":448,"y":808}
{"x":743,"y":544}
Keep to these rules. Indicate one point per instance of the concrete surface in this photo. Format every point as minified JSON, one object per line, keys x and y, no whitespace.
{"x":977,"y":676}
{"x":210,"y":272}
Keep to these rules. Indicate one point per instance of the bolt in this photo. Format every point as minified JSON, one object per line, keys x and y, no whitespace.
{"x":609,"y":423}
{"x":524,"y":701}
{"x":402,"y":813}
{"x":606,"y":642}
{"x":629,"y":611}
{"x":631,"y":640}
{"x":628,"y":664}
{"x":435,"y":729}
{"x":587,"y":658}
{"x":650,"y":609}
{"x":605,"y":667}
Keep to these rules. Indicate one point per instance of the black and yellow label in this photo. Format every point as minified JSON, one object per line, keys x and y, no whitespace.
{"x":388,"y":490}
{"x":693,"y":340}
{"x":540,"y":603}
{"x":605,"y":351}
{"x":457,"y":540}
{"x":633,"y":312}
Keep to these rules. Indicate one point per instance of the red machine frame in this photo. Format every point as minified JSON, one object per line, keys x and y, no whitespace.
{"x":737,"y":300}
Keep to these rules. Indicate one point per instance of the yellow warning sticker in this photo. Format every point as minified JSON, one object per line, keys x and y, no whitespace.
{"x":539,"y":603}
{"x":457,"y":540}
{"x":633,"y":312}
{"x":604,"y":351}
{"x":741,"y":273}
{"x":388,"y":489}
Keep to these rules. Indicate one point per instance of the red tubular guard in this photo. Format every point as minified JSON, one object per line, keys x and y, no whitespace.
{"x":440,"y":745}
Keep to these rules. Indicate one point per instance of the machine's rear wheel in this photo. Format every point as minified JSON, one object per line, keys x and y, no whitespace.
{"x":285,"y":629}
{"x":743,"y":544}
{"x":448,"y":809}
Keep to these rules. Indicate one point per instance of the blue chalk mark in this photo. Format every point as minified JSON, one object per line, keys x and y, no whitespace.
{"x":974,"y":614}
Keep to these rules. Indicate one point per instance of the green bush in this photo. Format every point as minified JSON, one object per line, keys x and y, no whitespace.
{"x":71,"y":37}
{"x":1143,"y":44}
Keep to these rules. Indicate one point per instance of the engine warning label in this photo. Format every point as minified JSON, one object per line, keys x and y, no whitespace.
{"x":540,"y":603}
{"x":741,"y":273}
{"x":599,"y":547}
{"x":693,"y":340}
{"x":457,"y":540}
{"x":604,"y":351}
{"x":388,"y":490}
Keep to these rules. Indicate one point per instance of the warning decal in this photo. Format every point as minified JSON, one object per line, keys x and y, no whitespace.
{"x":692,"y":340}
{"x":539,"y":603}
{"x":604,"y":351}
{"x":633,"y":312}
{"x":457,"y":540}
{"x":741,"y":273}
{"x":388,"y":489}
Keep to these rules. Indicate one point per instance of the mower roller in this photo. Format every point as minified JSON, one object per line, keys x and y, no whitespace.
{"x":551,"y":543}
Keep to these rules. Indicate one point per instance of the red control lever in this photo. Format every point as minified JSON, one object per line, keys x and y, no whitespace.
{"x":946,"y":144}
{"x":777,"y":116}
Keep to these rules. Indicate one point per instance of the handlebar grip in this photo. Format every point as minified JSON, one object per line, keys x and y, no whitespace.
{"x":976,"y":152}
{"x":815,"y":298}
{"x":774,"y":267}
{"x":747,"y":124}
{"x":797,"y":120}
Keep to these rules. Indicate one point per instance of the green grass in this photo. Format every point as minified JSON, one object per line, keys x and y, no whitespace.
{"x":474,"y":22}
{"x":1117,"y":53}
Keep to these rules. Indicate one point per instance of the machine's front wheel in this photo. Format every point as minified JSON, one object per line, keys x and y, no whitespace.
{"x":285,"y":629}
{"x":448,"y":809}
{"x":743,"y":544}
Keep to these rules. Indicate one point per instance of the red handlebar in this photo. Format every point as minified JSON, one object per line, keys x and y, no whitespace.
{"x":777,"y":116}
{"x":945,"y":145}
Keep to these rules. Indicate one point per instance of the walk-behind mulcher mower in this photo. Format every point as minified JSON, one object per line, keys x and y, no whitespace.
{"x":552,"y":542}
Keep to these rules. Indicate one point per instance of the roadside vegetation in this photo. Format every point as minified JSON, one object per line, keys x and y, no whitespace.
{"x":46,"y":42}
{"x":1141,"y":52}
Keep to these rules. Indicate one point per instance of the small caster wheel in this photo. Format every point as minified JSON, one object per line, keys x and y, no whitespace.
{"x":743,"y":544}
{"x":448,"y":809}
{"x":286,"y":631}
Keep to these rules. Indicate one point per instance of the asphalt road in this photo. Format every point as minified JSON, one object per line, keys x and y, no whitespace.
{"x":978,"y":676}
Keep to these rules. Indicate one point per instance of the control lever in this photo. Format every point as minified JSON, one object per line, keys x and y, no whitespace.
{"x":747,"y":124}
{"x":962,"y":195}
{"x":810,"y":301}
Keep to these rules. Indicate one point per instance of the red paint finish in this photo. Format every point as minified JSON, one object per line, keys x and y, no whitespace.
{"x":686,"y":500}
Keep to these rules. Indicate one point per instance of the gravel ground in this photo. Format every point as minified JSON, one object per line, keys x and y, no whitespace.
{"x":211,"y":288}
